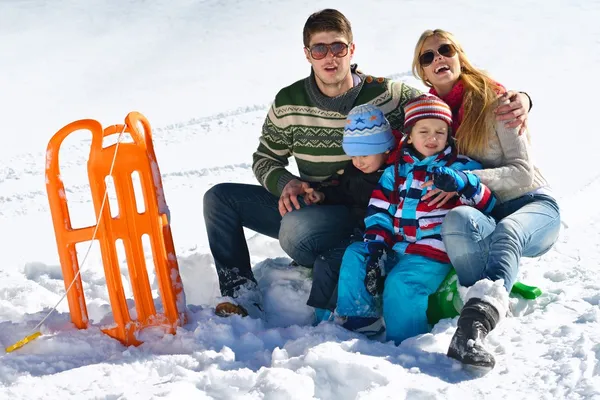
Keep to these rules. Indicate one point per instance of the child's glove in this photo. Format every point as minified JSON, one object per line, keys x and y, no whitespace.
{"x":375,"y":275}
{"x":452,"y":180}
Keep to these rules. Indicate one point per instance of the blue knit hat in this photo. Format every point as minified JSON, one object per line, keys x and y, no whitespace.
{"x":367,"y":132}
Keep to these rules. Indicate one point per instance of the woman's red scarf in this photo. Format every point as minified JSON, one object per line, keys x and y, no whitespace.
{"x":455,"y":100}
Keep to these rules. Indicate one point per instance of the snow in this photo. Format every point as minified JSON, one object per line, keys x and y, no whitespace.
{"x":204,"y":72}
{"x":492,"y":293}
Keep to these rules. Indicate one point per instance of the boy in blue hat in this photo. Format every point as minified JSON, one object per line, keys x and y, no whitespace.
{"x":370,"y":141}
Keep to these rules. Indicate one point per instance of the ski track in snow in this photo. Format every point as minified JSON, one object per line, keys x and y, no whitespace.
{"x":18,"y":174}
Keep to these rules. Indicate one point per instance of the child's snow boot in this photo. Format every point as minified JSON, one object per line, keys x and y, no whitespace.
{"x":368,"y":326}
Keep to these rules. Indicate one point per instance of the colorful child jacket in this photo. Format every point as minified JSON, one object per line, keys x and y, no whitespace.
{"x":405,"y":222}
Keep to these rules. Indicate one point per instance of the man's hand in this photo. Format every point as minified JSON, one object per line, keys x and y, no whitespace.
{"x":289,"y":196}
{"x":312,"y":196}
{"x":514,"y":108}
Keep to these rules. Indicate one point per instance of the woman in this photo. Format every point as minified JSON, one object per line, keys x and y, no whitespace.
{"x":484,"y":250}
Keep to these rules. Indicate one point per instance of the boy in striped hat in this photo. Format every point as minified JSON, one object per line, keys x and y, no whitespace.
{"x":402,"y":244}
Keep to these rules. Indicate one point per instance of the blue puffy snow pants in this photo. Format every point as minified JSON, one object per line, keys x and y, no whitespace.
{"x":410,"y":280}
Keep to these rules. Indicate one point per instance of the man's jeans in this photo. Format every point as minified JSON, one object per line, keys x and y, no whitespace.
{"x":480,"y":246}
{"x":303,"y":234}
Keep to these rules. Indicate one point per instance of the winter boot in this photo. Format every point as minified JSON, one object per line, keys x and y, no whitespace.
{"x":368,"y":326}
{"x":226,"y":308}
{"x":478,"y":317}
{"x":229,"y":308}
{"x":476,"y":320}
{"x":246,"y":302}
{"x":322,"y":314}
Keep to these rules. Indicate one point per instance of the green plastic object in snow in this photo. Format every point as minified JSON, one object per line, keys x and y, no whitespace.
{"x":527,"y":292}
{"x":446,"y":302}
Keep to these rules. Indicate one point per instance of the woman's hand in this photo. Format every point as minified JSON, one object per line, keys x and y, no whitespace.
{"x":436,"y":195}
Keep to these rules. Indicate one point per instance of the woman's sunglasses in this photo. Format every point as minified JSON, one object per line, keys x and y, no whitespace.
{"x":446,"y":50}
{"x":319,"y":51}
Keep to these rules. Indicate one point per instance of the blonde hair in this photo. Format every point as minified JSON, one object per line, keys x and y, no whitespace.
{"x":480,"y":97}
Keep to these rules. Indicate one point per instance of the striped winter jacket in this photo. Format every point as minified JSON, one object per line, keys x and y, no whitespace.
{"x":409,"y":225}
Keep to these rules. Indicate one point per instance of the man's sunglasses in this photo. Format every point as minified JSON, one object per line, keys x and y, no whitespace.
{"x":319,"y":51}
{"x":446,"y":50}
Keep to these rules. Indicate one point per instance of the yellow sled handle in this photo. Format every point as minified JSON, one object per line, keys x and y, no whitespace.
{"x":23,"y":342}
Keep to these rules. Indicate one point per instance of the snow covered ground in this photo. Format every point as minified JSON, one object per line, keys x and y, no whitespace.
{"x":204,"y":72}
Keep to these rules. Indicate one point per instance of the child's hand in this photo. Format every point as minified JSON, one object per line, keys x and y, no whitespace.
{"x":312,"y":196}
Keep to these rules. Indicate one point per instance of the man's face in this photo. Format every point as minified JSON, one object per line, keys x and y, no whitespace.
{"x":331,"y":70}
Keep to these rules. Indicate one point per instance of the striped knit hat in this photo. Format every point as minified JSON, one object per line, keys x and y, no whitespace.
{"x":367,"y":132}
{"x":424,"y":107}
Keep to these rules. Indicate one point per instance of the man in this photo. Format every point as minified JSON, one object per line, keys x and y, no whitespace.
{"x":306,"y":121}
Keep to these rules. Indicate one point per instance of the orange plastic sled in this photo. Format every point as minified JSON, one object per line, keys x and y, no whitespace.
{"x":129,"y":226}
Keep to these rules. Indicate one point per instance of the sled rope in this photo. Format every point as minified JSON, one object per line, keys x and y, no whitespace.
{"x":35,"y":333}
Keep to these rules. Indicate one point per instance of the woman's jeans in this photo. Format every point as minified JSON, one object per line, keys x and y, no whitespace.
{"x":303,"y":234}
{"x":481,"y":246}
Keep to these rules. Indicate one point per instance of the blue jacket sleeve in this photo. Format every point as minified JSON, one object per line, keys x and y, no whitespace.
{"x":484,"y":200}
{"x":379,"y":220}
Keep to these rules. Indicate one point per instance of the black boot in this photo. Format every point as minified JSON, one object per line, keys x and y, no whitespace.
{"x":476,"y":320}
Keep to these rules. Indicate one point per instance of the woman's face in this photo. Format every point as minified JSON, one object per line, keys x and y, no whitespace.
{"x":444,"y":71}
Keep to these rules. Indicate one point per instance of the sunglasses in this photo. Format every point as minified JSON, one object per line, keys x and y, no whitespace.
{"x":319,"y":51}
{"x":446,"y":50}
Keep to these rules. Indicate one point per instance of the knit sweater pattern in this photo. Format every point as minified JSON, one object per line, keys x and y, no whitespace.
{"x":309,"y":126}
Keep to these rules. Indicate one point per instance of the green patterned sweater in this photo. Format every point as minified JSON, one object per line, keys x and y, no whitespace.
{"x":305,"y":124}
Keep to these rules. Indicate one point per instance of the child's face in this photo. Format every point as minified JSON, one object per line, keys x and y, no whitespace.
{"x":429,"y":136}
{"x":371,"y":163}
